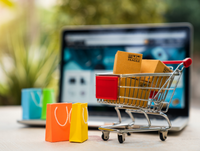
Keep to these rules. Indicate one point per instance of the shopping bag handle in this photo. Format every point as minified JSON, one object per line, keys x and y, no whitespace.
{"x":57,"y":119}
{"x":186,"y":62}
{"x":70,"y":115}
{"x":34,"y":100}
{"x":86,"y":122}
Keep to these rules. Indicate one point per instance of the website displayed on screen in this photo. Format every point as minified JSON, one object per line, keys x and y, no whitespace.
{"x":94,"y":52}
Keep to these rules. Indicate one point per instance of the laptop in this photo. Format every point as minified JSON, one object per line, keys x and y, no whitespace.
{"x":88,"y":50}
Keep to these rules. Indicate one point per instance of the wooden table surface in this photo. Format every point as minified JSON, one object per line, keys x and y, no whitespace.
{"x":17,"y":137}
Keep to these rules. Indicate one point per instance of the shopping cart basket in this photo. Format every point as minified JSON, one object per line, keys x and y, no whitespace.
{"x":139,"y":93}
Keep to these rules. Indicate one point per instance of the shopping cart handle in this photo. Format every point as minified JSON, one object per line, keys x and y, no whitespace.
{"x":186,"y":62}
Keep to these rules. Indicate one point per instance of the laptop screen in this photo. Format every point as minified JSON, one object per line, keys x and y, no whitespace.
{"x":90,"y":51}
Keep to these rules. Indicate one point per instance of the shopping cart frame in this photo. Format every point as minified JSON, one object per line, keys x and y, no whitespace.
{"x":156,"y":104}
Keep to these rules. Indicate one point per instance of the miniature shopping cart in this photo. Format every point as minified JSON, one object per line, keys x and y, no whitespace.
{"x":138,"y":93}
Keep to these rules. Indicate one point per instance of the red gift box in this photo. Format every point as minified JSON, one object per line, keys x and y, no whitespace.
{"x":107,"y":87}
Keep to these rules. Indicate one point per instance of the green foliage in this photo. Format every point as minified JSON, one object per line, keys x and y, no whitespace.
{"x":32,"y":63}
{"x":24,"y":64}
{"x":95,"y":12}
{"x":185,"y":11}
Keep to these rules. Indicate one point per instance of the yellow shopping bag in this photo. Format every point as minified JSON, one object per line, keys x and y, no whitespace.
{"x":79,"y":124}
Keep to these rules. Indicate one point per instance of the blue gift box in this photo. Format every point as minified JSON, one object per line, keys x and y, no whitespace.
{"x":31,"y":103}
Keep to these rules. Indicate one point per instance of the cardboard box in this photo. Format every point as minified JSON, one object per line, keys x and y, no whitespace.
{"x":132,"y":92}
{"x":127,"y":63}
{"x":147,"y":66}
{"x":155,"y":66}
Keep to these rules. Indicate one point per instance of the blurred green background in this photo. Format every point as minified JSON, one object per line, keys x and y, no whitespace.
{"x":30,"y":35}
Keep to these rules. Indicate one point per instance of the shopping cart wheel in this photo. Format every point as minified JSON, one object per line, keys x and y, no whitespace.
{"x":163,"y":135}
{"x":121,"y":138}
{"x":129,"y":134}
{"x":105,"y":136}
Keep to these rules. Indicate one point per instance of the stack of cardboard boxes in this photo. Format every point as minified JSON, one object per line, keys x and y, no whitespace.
{"x":130,"y":63}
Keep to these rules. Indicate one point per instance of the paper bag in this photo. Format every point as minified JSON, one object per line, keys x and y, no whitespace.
{"x":31,"y":103}
{"x":79,"y":124}
{"x":58,"y":122}
{"x":47,"y":97}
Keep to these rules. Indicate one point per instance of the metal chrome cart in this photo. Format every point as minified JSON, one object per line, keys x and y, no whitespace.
{"x":139,"y":93}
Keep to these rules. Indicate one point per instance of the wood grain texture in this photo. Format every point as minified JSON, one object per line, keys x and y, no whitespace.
{"x":17,"y":137}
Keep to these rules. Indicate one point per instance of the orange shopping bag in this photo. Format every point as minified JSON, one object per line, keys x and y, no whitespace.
{"x":58,"y":122}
